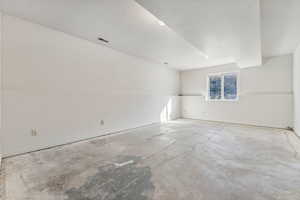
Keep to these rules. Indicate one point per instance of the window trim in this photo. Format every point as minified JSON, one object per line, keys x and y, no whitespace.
{"x":222,"y":74}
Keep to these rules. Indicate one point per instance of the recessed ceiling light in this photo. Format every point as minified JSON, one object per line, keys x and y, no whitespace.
{"x":161,"y":23}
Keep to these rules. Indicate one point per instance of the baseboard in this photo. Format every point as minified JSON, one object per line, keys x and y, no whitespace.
{"x":243,"y":124}
{"x":108,"y":134}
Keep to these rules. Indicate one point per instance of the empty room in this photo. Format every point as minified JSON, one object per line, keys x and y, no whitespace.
{"x":150,"y":100}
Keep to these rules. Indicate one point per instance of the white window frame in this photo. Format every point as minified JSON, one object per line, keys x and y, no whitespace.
{"x":222,"y":74}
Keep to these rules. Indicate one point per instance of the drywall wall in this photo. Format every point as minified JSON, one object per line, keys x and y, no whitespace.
{"x":62,"y":87}
{"x":296,"y":84}
{"x":265,"y":94}
{"x":1,"y":140}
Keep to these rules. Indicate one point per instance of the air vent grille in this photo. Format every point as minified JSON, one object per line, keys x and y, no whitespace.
{"x":103,"y":40}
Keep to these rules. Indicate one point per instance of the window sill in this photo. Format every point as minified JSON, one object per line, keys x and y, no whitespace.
{"x":222,"y":100}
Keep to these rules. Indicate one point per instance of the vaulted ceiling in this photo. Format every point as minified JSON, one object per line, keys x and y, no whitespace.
{"x":184,"y":34}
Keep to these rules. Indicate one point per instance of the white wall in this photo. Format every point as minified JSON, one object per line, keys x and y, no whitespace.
{"x":265,"y":95}
{"x":1,"y":140}
{"x":296,"y":84}
{"x":63,"y":86}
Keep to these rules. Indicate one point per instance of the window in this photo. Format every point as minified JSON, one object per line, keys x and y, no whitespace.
{"x":223,"y":87}
{"x":230,"y":86}
{"x":215,"y":89}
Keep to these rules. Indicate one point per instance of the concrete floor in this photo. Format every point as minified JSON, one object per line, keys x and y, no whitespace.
{"x":181,"y":160}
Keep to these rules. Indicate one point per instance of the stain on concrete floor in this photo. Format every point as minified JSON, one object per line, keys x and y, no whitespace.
{"x":183,"y":159}
{"x":113,"y":182}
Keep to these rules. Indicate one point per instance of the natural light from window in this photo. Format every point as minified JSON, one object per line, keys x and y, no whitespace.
{"x":223,"y":87}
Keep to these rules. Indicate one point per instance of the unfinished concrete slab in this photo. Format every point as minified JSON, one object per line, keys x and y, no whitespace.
{"x":180,"y":160}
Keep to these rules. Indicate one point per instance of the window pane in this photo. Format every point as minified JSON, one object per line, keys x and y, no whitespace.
{"x":215,"y":83}
{"x":230,"y":86}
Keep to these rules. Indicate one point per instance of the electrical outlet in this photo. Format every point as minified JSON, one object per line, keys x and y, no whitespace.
{"x":101,"y":122}
{"x":34,"y":132}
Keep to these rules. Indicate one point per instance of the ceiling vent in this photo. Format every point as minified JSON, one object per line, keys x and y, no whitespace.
{"x":103,"y":40}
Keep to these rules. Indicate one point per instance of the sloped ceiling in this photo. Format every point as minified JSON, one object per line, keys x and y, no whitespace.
{"x":197,"y":33}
